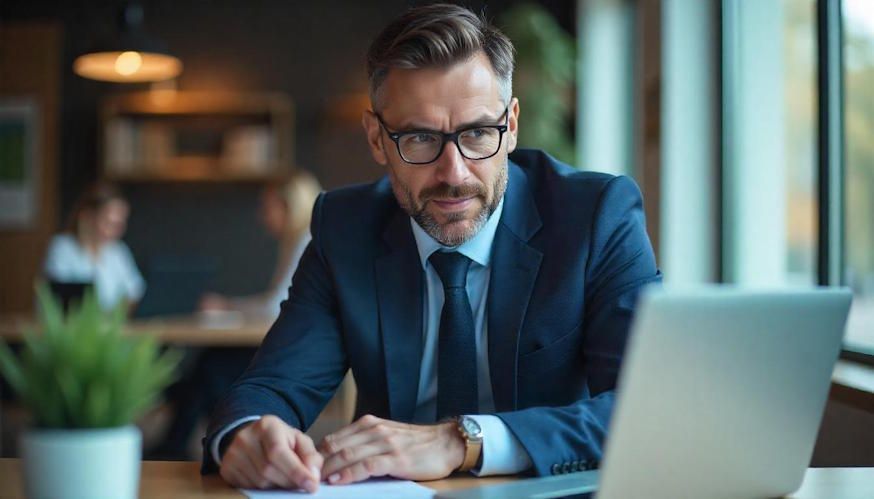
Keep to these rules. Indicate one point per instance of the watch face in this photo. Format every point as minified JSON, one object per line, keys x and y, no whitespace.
{"x":471,"y":426}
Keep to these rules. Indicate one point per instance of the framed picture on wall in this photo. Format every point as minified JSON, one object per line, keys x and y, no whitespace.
{"x":19,"y":165}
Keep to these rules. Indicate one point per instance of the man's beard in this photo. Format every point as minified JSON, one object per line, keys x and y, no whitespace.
{"x":443,"y":233}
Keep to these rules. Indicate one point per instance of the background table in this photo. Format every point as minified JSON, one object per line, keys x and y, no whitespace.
{"x":182,"y":480}
{"x":193,"y":330}
{"x":216,"y":331}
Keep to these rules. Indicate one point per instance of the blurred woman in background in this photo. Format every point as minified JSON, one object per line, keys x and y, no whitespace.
{"x":285,"y":212}
{"x":91,"y":251}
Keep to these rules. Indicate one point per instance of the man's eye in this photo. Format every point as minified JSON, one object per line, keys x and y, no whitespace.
{"x":475,"y":133}
{"x":421,"y":138}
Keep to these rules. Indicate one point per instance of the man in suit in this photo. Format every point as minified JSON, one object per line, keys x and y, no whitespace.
{"x":481,"y":298}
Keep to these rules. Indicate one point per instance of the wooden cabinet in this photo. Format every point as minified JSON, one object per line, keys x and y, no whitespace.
{"x":168,"y":135}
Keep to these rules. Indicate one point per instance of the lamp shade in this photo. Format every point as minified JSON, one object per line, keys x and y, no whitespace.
{"x":127,"y":66}
{"x":131,"y":57}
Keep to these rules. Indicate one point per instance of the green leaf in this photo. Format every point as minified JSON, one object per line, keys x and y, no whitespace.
{"x":50,"y":313}
{"x":84,"y":371}
{"x":11,"y":370}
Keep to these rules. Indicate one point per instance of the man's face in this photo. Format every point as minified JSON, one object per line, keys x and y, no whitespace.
{"x":452,"y":197}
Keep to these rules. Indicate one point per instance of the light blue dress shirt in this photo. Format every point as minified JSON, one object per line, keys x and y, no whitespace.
{"x":502,"y":453}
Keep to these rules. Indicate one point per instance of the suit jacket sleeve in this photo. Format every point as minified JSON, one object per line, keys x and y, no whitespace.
{"x":620,"y":263}
{"x":302,"y":359}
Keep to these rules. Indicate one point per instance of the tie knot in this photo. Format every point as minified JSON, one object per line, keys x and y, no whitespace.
{"x":451,"y":267}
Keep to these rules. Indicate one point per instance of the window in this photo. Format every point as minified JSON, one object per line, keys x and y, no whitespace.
{"x":800,"y":116}
{"x":858,"y":24}
{"x":789,"y":113}
{"x":769,"y":143}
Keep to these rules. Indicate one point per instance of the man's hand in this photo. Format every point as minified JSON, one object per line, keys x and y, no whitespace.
{"x":269,"y":453}
{"x":372,"y":447}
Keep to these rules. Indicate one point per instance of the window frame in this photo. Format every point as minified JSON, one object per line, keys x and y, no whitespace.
{"x":831,"y":248}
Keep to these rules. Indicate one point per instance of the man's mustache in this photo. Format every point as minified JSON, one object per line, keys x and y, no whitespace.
{"x":446,"y":191}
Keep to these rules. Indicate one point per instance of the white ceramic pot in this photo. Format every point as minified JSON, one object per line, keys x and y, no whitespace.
{"x":72,"y":464}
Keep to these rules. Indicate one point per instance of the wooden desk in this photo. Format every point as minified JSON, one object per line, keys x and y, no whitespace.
{"x":182,"y":480}
{"x":853,"y":385}
{"x":180,"y":331}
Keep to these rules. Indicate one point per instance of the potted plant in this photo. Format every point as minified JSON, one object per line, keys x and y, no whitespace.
{"x":84,"y":381}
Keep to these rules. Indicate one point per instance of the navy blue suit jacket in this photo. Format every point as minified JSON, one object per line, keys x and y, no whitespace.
{"x":569,"y":257}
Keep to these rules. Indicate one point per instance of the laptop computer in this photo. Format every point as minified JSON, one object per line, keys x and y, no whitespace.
{"x":69,"y":293}
{"x":175,"y":285}
{"x":720,"y":396}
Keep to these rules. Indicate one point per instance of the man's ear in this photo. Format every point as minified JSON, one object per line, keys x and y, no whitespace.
{"x":373,"y":131}
{"x":513,"y":125}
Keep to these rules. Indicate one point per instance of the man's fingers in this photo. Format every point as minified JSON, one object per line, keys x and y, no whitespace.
{"x":349,"y":456}
{"x":279,"y":455}
{"x":306,"y":450}
{"x":250,"y":443}
{"x":378,"y":430}
{"x":276,"y":477}
{"x":361,"y":424}
{"x":292,"y":467}
{"x":278,"y":447}
{"x":235,"y":477}
{"x":373,"y":466}
{"x":239,"y":462}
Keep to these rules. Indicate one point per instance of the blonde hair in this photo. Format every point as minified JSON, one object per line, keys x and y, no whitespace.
{"x":298,"y":194}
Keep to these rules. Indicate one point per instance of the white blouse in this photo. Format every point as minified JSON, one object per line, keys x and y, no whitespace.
{"x":113,"y":271}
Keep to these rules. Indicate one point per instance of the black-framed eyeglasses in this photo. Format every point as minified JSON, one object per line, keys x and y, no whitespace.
{"x":420,"y":147}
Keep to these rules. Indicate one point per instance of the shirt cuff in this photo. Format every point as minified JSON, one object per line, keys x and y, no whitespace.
{"x":502,"y":453}
{"x":217,"y":439}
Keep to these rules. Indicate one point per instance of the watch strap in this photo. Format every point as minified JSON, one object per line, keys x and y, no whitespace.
{"x":472,"y":447}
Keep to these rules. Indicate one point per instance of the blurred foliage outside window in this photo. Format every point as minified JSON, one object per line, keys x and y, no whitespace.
{"x":800,"y":112}
{"x":859,"y":161}
{"x":543,"y":80}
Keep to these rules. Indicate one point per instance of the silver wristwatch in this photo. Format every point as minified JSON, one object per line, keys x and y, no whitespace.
{"x":473,"y":441}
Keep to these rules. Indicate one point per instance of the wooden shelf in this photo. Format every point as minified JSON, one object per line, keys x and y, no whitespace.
{"x":171,"y":102}
{"x":172,"y":136}
{"x":198,"y":177}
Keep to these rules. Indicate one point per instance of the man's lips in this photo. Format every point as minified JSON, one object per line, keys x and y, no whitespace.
{"x":453,"y":204}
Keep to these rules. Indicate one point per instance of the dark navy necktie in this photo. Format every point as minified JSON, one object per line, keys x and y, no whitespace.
{"x":456,"y":348}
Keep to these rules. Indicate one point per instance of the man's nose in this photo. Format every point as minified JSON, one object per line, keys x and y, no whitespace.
{"x":451,"y":166}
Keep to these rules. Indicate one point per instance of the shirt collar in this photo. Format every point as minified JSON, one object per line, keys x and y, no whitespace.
{"x":478,"y":249}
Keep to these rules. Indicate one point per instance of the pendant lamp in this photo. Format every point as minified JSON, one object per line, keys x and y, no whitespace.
{"x":133,"y":57}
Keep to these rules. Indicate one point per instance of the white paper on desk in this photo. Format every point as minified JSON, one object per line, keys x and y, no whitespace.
{"x":376,"y":488}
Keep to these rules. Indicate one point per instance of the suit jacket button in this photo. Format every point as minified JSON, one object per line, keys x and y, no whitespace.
{"x":566,"y":467}
{"x":556,"y":469}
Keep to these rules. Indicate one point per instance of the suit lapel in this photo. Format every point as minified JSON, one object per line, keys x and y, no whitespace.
{"x":514,"y":269}
{"x":399,"y":287}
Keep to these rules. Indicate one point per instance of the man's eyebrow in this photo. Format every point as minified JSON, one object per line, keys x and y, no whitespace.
{"x":484,"y":120}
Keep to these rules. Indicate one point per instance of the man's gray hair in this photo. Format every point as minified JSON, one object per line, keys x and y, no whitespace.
{"x":438,"y":35}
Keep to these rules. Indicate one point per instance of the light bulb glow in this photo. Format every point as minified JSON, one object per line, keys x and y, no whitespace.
{"x":128,"y":63}
{"x":127,"y":66}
